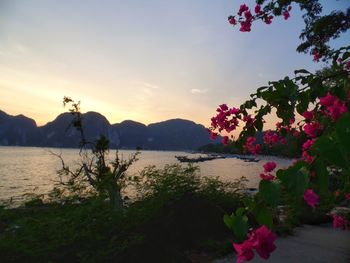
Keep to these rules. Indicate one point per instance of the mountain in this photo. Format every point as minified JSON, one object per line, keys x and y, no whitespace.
{"x":175,"y":134}
{"x":16,"y":130}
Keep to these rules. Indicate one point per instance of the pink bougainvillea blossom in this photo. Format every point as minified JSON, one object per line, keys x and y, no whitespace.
{"x":308,"y":115}
{"x":242,"y":8}
{"x":340,"y":222}
{"x":307,"y":157}
{"x":269,"y":166}
{"x":337,"y":109}
{"x":244,"y":251}
{"x":251,"y":147}
{"x":286,"y":15}
{"x":311,"y":198}
{"x":328,"y":100}
{"x":347,"y":65}
{"x":271,"y":138}
{"x":312,"y":129}
{"x":267,"y":177}
{"x":232,"y":20}
{"x":213,"y":135}
{"x":261,"y":239}
{"x":268,"y":20}
{"x":257,"y":10}
{"x":307,"y":145}
{"x":316,"y":55}
{"x":225,"y":140}
{"x":296,"y":133}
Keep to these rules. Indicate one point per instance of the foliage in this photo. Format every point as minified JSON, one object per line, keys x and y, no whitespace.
{"x":164,"y":224}
{"x":313,"y":107}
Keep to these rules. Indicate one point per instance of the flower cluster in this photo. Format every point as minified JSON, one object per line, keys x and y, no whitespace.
{"x":334,"y":106}
{"x":268,"y":167}
{"x":271,"y":138}
{"x":311,"y":198}
{"x":261,"y":239}
{"x":340,"y":222}
{"x":246,"y":18}
{"x":251,"y":145}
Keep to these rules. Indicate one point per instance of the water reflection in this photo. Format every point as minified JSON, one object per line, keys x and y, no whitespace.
{"x":31,"y":169}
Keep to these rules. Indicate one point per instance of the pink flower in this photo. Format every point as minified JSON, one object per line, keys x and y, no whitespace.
{"x":340,"y":222}
{"x":337,"y":193}
{"x":316,"y":55}
{"x":242,"y":9}
{"x":248,"y":119}
{"x":244,"y":251}
{"x":337,"y":109}
{"x":347,"y":65}
{"x":213,"y":135}
{"x":347,"y":196}
{"x":248,"y":15}
{"x":257,"y":9}
{"x":225,"y":140}
{"x":328,"y":100}
{"x":269,"y":166}
{"x":286,"y":15}
{"x":235,"y":111}
{"x":296,"y":134}
{"x":339,"y":60}
{"x":308,"y":144}
{"x":245,"y":26}
{"x":307,"y":157}
{"x":267,"y":177}
{"x":232,"y":20}
{"x":263,"y":241}
{"x":311,"y":198}
{"x":289,"y":8}
{"x":308,"y":115}
{"x":312,"y":129}
{"x":268,"y":20}
{"x":271,"y":138}
{"x":223,"y":107}
{"x":250,"y":147}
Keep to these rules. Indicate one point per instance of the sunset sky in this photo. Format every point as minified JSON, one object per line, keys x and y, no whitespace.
{"x":142,"y":60}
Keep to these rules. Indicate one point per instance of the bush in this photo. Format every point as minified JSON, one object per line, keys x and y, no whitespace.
{"x":177,"y":212}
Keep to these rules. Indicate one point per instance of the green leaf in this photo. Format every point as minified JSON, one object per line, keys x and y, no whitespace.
{"x":264,"y":217}
{"x":269,"y":192}
{"x":345,"y":55}
{"x":228,"y":221}
{"x":327,"y":148}
{"x":343,"y":133}
{"x":295,"y":179}
{"x":240,"y":211}
{"x":301,"y":71}
{"x":322,"y":175}
{"x":240,"y":227}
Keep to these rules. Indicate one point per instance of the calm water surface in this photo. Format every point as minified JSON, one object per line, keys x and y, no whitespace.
{"x":30,"y":169}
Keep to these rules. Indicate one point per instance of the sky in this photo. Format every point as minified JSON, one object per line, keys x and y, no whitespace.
{"x":146,"y":61}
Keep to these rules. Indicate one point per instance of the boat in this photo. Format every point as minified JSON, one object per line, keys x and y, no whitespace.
{"x":186,"y":159}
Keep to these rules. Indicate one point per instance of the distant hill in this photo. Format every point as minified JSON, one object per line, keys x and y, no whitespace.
{"x":175,"y":134}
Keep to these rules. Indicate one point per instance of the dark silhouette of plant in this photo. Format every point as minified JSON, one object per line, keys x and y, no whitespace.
{"x":95,"y":174}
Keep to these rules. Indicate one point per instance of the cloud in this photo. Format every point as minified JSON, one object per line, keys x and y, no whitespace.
{"x":199,"y":91}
